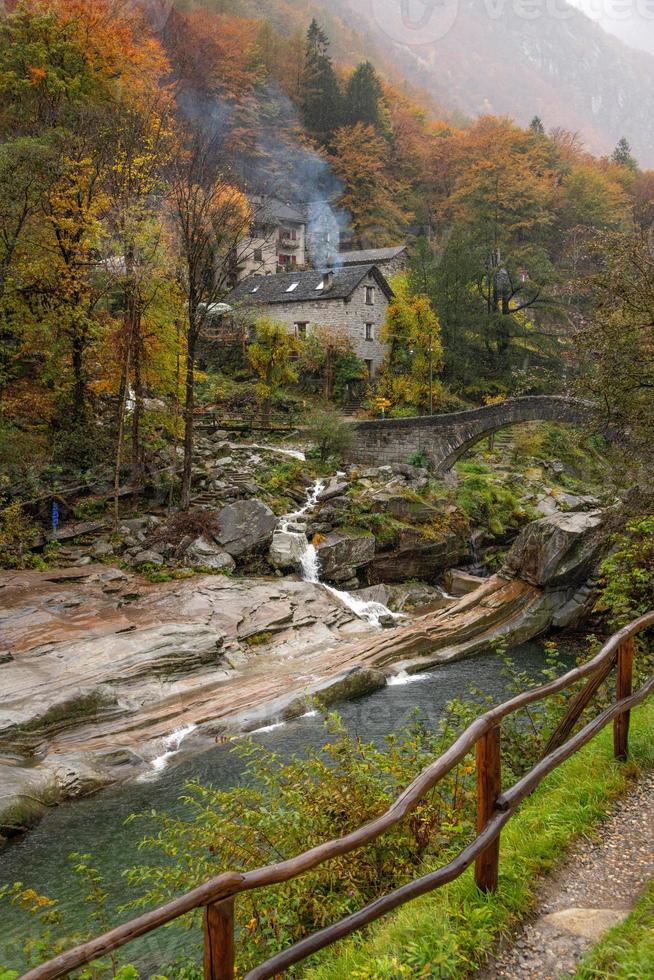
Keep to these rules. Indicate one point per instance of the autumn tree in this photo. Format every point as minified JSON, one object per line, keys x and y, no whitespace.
{"x":619,"y":343}
{"x":360,"y":157}
{"x":211,"y":219}
{"x":413,"y":334}
{"x":271,"y":358}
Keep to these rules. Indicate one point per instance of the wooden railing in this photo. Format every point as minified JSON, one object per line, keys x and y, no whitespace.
{"x":494,"y":810}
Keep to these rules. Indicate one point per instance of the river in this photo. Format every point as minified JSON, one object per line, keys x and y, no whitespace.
{"x":97,"y":825}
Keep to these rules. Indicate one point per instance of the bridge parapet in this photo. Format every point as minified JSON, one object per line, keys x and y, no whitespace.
{"x":443,"y":439}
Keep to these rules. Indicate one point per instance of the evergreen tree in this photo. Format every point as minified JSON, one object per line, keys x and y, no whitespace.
{"x":321,"y":96}
{"x":536,"y":126}
{"x":363,"y":97}
{"x":623,"y":157}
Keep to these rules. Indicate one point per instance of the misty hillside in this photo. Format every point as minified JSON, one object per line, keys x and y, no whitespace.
{"x":570,"y":72}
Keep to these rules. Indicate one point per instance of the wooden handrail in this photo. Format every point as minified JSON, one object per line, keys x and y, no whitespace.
{"x":217,"y":896}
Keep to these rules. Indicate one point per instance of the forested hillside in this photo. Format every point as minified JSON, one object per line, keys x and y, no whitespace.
{"x":471,"y":58}
{"x":131,"y":143}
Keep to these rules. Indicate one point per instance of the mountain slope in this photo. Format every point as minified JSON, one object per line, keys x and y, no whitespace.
{"x":566,"y":70}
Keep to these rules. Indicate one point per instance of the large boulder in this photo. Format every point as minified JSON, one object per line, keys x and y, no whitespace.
{"x":203,"y":553}
{"x":417,"y":557}
{"x":405,"y":507}
{"x":559,"y":551}
{"x":246,"y":527}
{"x":287,"y":549}
{"x":459,"y":583}
{"x":342,"y":552}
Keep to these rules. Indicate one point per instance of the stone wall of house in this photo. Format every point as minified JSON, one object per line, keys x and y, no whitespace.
{"x":270,"y":248}
{"x":399,"y":264}
{"x":350,"y":317}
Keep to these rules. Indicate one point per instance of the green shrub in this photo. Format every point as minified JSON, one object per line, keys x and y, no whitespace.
{"x":419,"y":460}
{"x":329,"y":432}
{"x":17,"y":536}
{"x":90,"y":508}
{"x":489,"y":503}
{"x":628,"y":574}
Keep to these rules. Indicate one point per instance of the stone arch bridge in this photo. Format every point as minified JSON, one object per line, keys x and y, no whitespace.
{"x":443,"y":439}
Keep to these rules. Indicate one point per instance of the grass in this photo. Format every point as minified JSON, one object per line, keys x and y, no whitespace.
{"x":452,"y":931}
{"x":626,"y":952}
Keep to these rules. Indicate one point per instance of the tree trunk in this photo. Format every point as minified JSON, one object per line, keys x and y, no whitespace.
{"x":124,"y":387}
{"x":79,"y":384}
{"x":189,"y":407}
{"x":137,"y":461}
{"x":178,"y":367}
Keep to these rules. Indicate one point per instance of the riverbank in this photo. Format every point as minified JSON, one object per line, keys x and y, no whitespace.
{"x":457,"y":927}
{"x":40,"y":859}
{"x":105,"y":669}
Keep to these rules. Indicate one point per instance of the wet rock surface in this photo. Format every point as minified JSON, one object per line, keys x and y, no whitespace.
{"x":94,"y":661}
{"x":561,"y":550}
{"x":342,"y":554}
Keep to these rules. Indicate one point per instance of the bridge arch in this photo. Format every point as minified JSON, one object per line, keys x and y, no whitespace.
{"x":444,"y":439}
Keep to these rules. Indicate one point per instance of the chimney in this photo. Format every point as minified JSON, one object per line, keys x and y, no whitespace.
{"x":328,"y":280}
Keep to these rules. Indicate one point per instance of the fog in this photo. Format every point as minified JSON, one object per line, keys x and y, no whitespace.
{"x":630,"y":20}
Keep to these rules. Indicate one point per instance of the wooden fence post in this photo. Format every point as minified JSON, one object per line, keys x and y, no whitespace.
{"x":219,"y":955}
{"x":624,"y":689}
{"x":489,"y":787}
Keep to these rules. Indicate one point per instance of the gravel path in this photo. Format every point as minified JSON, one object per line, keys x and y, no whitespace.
{"x":595,"y":889}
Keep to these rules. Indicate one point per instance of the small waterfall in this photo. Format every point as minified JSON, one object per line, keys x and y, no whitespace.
{"x":477,"y":567}
{"x":309,"y":563}
{"x":402,"y":679}
{"x":172,"y":745}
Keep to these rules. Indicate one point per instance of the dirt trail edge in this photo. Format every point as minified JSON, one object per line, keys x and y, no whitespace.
{"x":594,"y":891}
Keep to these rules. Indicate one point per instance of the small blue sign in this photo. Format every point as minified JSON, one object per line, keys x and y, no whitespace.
{"x":55,"y":515}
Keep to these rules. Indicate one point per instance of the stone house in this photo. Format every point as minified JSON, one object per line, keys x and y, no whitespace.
{"x":351,"y":300}
{"x":390,"y":261}
{"x":287,"y":236}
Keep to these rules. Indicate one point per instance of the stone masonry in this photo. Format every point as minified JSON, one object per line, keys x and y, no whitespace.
{"x":443,"y":439}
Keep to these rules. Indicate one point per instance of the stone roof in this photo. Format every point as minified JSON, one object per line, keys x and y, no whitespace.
{"x":271,"y":209}
{"x":371,"y":256}
{"x":302,"y":287}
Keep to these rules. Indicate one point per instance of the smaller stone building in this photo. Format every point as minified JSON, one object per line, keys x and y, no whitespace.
{"x":352,"y":300}
{"x":389,"y":260}
{"x":285,"y":236}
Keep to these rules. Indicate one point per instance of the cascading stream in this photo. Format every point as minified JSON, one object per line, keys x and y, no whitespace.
{"x":308,"y":561}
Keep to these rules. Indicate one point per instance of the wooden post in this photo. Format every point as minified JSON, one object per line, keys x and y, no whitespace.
{"x":489,"y":787}
{"x":624,"y":690}
{"x":219,"y":941}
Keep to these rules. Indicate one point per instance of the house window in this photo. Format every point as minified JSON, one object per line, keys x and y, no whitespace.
{"x":370,"y":367}
{"x":370,"y":295}
{"x":301,"y":330}
{"x":370,"y":331}
{"x":258,"y":255}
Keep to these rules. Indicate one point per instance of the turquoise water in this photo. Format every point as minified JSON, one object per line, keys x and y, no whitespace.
{"x":97,"y":825}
